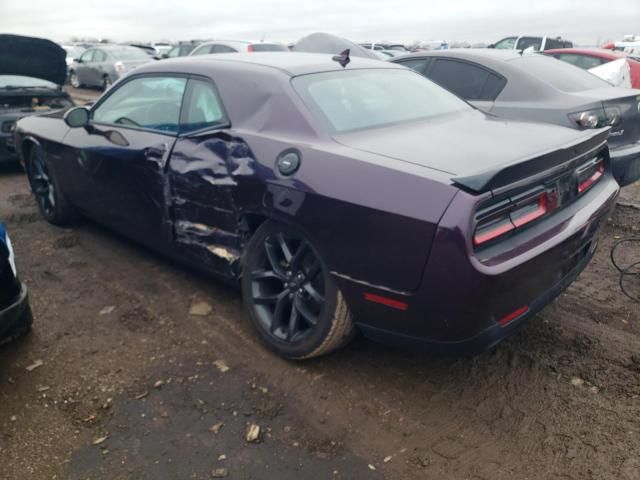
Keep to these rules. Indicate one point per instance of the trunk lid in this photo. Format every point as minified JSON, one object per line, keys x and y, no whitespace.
{"x":626,"y":130}
{"x":477,"y":151}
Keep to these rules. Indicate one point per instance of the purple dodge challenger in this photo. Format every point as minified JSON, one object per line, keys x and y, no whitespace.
{"x":341,"y":195}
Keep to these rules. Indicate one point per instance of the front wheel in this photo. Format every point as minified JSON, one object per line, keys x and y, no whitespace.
{"x":291,"y":298}
{"x":106,"y":83}
{"x":53,"y":206}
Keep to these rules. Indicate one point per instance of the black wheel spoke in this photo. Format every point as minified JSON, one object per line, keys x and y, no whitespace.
{"x":305,"y":312}
{"x":296,"y":260}
{"x":266,"y":299}
{"x":266,"y":275}
{"x":278,"y":314}
{"x":313,"y":271}
{"x":314,"y":294}
{"x":284,"y":248}
{"x":293,"y":324}
{"x":273,"y":259}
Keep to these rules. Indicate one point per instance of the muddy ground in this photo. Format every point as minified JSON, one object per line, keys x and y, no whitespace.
{"x":132,"y":386}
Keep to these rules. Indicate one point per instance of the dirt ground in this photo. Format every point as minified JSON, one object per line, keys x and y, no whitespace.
{"x":132,"y":386}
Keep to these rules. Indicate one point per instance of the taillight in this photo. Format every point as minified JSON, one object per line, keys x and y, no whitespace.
{"x":516,"y":212}
{"x":588,"y":119}
{"x":119,"y":66}
{"x":250,"y":48}
{"x":589,"y":175}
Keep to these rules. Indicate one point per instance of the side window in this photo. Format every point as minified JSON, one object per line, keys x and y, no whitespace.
{"x":582,"y":61}
{"x":506,"y":43}
{"x":222,"y":49}
{"x":417,"y":64}
{"x":202,"y":50}
{"x":87,"y":56}
{"x":99,"y":56}
{"x":492,"y":87}
{"x":463,"y":79}
{"x":147,"y":102}
{"x":174,"y":52}
{"x":527,"y":42}
{"x":203,"y":107}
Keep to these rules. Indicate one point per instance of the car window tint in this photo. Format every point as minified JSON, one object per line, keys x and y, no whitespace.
{"x":527,"y":42}
{"x":202,"y":50}
{"x":463,"y":79}
{"x":506,"y":43}
{"x":492,"y":87}
{"x":222,"y":49}
{"x":269,"y":47}
{"x":558,"y":74}
{"x":147,"y":102}
{"x":203,"y":107}
{"x":417,"y":64}
{"x":583,"y":61}
{"x":87,"y":56}
{"x":356,"y":99}
{"x":99,"y":56}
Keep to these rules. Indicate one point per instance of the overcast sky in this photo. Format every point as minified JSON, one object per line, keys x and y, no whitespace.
{"x":583,"y":21}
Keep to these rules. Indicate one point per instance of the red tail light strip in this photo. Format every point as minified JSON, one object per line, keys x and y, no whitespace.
{"x":484,"y":237}
{"x":389,"y":302}
{"x":592,"y":179}
{"x":537,"y":213}
{"x":513,"y":315}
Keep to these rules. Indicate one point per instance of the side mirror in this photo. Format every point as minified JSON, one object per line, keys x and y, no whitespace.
{"x":491,"y":45}
{"x":164,"y":55}
{"x":77,"y":117}
{"x":77,"y":60}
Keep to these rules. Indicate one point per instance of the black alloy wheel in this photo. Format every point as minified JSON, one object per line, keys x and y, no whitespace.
{"x":291,"y":297}
{"x":41,"y":183}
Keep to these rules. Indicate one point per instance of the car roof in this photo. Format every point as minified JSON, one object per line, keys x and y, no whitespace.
{"x":479,"y":54}
{"x":291,"y":63}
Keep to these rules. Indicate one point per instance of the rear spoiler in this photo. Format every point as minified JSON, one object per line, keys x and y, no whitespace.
{"x":543,"y":165}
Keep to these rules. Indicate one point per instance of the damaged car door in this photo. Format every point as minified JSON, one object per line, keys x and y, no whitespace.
{"x":116,"y":163}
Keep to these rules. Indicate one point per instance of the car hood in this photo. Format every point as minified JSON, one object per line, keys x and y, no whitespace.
{"x":468,"y":144}
{"x":32,"y":57}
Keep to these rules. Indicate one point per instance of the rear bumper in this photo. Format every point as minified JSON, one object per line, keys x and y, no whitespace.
{"x":13,"y":314}
{"x":625,"y":164}
{"x":466,"y":297}
{"x":487,"y":338}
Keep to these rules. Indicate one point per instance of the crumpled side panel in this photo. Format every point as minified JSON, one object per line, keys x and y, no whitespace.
{"x":205,"y":175}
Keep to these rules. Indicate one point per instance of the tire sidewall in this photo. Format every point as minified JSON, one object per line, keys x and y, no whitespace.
{"x":73,"y":75}
{"x":310,"y":344}
{"x":37,"y":150}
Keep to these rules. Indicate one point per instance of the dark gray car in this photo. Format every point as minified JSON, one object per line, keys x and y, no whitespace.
{"x":540,"y":88}
{"x":102,"y":66}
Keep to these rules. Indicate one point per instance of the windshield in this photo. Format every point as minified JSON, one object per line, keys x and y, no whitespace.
{"x":558,"y":74}
{"x":15,"y":81}
{"x":131,"y":53}
{"x":358,"y":99}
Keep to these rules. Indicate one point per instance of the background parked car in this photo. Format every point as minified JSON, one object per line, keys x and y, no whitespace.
{"x":73,"y":52}
{"x":587,"y":58}
{"x":33,"y":70}
{"x":234,"y":46}
{"x":524,"y":42}
{"x":161,"y":48}
{"x":540,"y":88}
{"x":182,"y":49}
{"x":15,"y":313}
{"x":101,"y":66}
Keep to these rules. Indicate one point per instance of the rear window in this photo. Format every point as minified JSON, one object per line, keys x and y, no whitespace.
{"x":359,"y":99}
{"x":268,"y":47}
{"x":559,"y":74}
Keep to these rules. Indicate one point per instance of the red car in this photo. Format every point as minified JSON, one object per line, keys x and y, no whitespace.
{"x":587,"y":58}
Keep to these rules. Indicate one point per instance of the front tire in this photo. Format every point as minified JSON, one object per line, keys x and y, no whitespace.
{"x":53,"y":205}
{"x":106,"y":83}
{"x":292,"y":300}
{"x":19,"y":329}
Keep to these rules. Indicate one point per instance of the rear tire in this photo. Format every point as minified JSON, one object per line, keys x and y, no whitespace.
{"x":292,"y":300}
{"x":19,"y":329}
{"x":106,"y":83}
{"x":53,"y":205}
{"x":73,"y":79}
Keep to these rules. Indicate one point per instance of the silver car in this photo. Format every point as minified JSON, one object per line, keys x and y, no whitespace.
{"x":103,"y":65}
{"x":233,"y":46}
